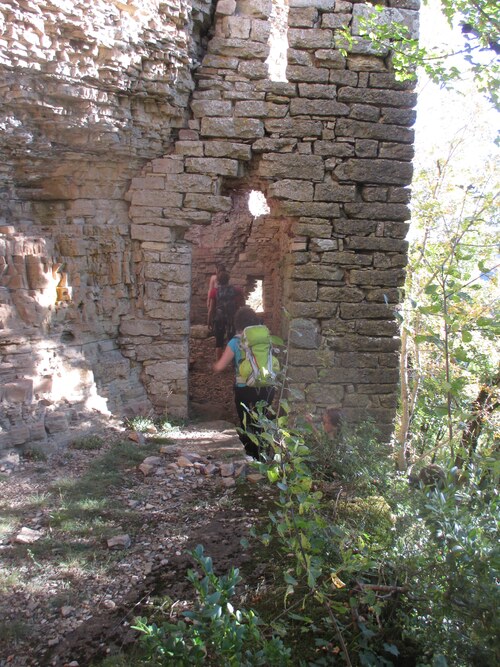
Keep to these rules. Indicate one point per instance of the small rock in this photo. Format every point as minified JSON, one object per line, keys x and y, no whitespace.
{"x":192,"y":456}
{"x":228,"y":482}
{"x":137,"y":437}
{"x":153,"y":461}
{"x":28,"y":536}
{"x":184,"y":462}
{"x":210,"y":469}
{"x":146,"y":469}
{"x":240,"y":469}
{"x":227,"y":470}
{"x":109,"y":604}
{"x":119,"y":542}
{"x":254,"y":477}
{"x":66,"y":611}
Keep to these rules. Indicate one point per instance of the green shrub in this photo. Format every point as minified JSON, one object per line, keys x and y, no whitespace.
{"x":214,"y":632}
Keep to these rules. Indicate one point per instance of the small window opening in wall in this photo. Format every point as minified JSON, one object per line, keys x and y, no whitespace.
{"x":63,"y":290}
{"x":256,"y":297}
{"x":278,"y":42}
{"x":257,"y":204}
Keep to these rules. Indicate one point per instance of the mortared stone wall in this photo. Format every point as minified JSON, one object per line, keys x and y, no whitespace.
{"x":133,"y":133}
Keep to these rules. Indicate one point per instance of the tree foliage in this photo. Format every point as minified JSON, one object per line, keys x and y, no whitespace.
{"x":479,"y":23}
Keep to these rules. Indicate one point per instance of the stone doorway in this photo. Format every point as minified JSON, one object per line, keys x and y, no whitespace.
{"x":252,"y":244}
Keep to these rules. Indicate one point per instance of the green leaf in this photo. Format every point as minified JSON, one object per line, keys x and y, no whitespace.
{"x":466,"y":336}
{"x":391,"y":648}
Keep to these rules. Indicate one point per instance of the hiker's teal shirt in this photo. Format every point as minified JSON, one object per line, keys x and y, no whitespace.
{"x":235,"y":346}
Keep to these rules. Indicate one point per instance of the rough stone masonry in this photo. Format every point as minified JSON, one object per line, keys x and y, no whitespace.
{"x":132,"y":134}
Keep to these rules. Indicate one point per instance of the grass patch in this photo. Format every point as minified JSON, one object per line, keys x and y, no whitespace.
{"x":34,"y":453}
{"x":8,"y":579}
{"x":14,"y":630}
{"x":87,"y":443}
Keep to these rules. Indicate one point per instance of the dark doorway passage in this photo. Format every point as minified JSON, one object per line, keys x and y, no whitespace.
{"x":210,"y":394}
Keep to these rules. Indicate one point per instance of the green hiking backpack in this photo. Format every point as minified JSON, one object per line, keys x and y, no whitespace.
{"x":259,"y":367}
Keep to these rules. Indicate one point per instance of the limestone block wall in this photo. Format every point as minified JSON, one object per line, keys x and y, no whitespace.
{"x":331,"y":149}
{"x":133,"y":133}
{"x":90,"y":92}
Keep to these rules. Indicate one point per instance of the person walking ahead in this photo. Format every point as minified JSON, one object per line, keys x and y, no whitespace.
{"x":223,"y":302}
{"x":245,"y":397}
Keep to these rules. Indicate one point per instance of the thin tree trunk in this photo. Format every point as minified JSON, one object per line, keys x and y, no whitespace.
{"x":482,"y":407}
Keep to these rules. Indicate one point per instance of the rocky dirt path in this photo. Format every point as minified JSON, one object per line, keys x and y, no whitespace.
{"x":199,"y":489}
{"x":68,"y":596}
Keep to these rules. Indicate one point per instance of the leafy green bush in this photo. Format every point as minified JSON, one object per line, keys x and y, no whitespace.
{"x":214,"y":632}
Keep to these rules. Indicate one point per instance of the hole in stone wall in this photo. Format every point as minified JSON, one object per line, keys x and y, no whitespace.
{"x":255,"y":298}
{"x":278,"y":42}
{"x":67,"y":337}
{"x":257,"y":203}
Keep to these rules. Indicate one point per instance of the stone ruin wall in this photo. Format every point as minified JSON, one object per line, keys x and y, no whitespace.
{"x":132,"y":133}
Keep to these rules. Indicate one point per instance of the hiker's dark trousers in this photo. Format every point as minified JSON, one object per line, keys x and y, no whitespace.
{"x":246,"y":398}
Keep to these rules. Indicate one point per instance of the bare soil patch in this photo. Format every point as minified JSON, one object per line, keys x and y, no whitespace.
{"x":67,"y":598}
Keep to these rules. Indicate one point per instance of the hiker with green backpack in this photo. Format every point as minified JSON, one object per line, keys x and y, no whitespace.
{"x":223,"y":302}
{"x":256,"y":368}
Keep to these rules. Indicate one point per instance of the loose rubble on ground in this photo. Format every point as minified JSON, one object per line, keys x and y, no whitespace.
{"x":185,"y":493}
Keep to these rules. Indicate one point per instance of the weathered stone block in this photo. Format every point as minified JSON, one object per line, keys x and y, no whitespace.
{"x":341,"y":294}
{"x":237,"y":27}
{"x":358,"y":129}
{"x":377,"y":243}
{"x":394,"y":151}
{"x":167,"y":165}
{"x":318,"y":272}
{"x":319,"y":209}
{"x":56,"y":422}
{"x":307,"y":167}
{"x":318,"y":310}
{"x":139,"y":328}
{"x":225,"y":7}
{"x":18,"y":435}
{"x":373,"y":311}
{"x":208,"y":202}
{"x":228,"y":149}
{"x":325,"y":5}
{"x":214,"y":166}
{"x":292,"y":189}
{"x":158,"y":198}
{"x":202,"y":108}
{"x":18,"y":391}
{"x":377,"y":211}
{"x":260,"y":9}
{"x":333,"y":191}
{"x":317,"y":107}
{"x":316,"y":227}
{"x":151,"y":233}
{"x":189,"y":183}
{"x":220,"y":62}
{"x":165,"y":351}
{"x":304,"y":17}
{"x":317,"y":91}
{"x":236,"y":128}
{"x":391,"y":278}
{"x":294,"y":127}
{"x":166,"y":370}
{"x":278,"y":110}
{"x":389,"y":172}
{"x":296,"y":73}
{"x":304,"y":334}
{"x":312,"y":38}
{"x":305,"y":290}
{"x":244,"y":48}
{"x":169,"y":273}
